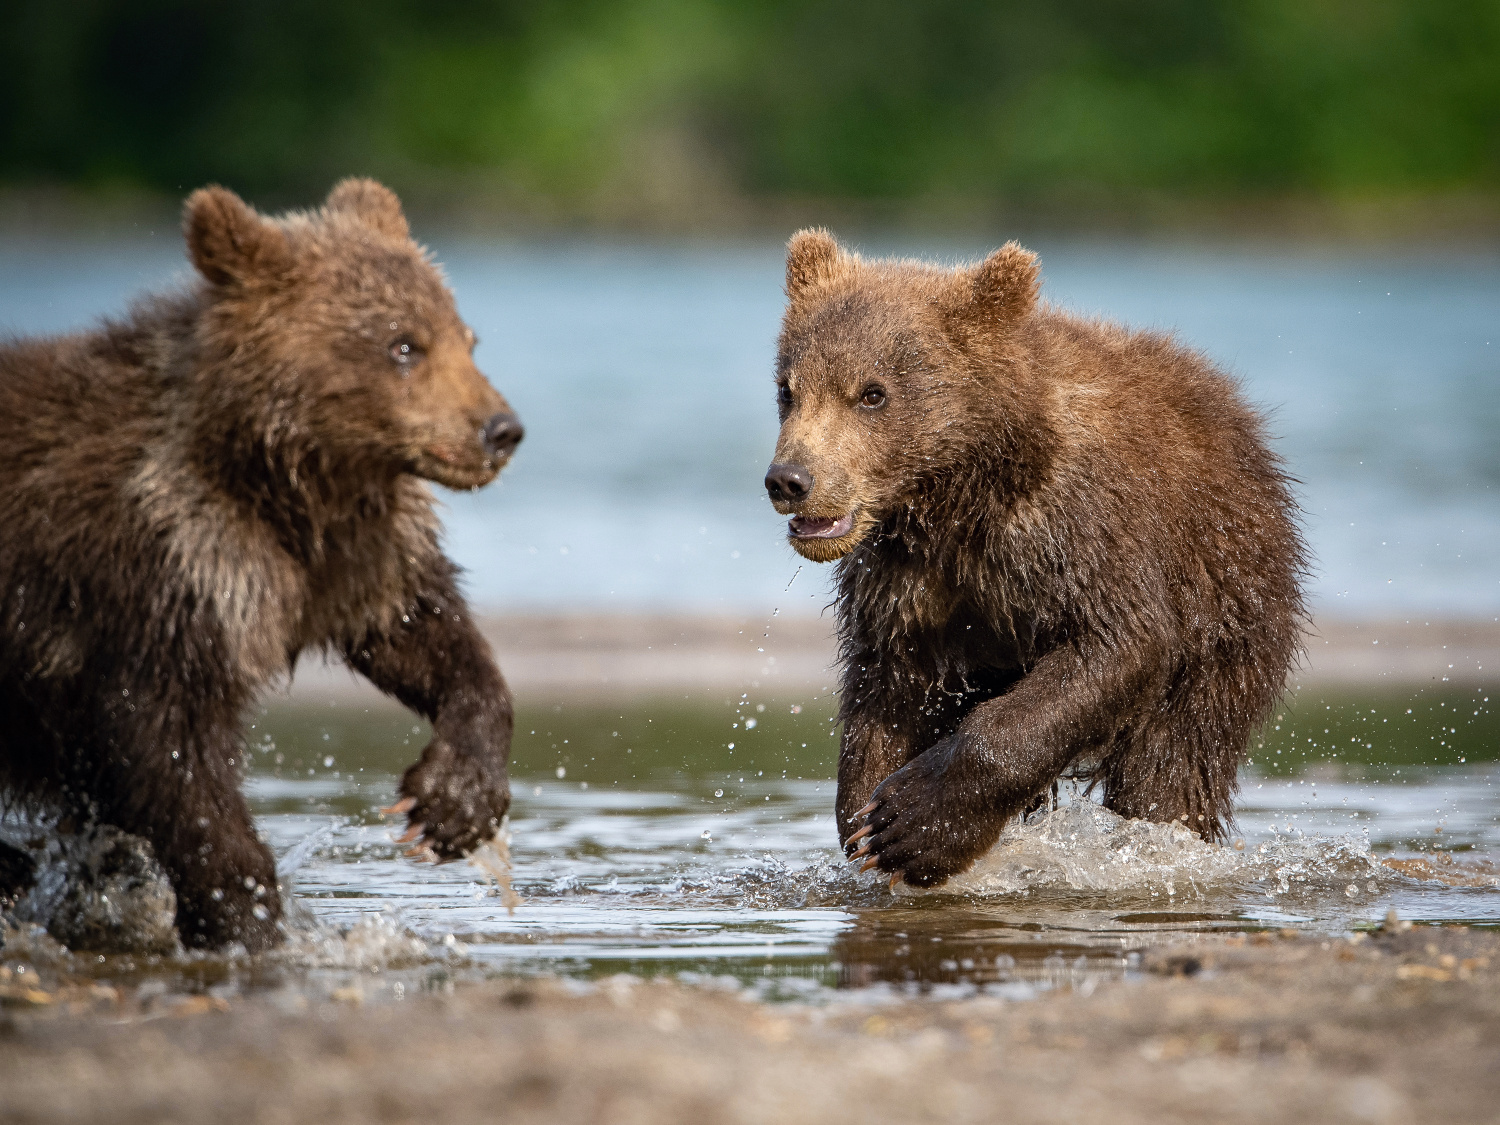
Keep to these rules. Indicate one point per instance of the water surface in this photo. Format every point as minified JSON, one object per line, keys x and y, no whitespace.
{"x":671,"y":840}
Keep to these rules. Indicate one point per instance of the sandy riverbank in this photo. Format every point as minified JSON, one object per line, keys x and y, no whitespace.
{"x":619,"y":656}
{"x":1399,"y":1026}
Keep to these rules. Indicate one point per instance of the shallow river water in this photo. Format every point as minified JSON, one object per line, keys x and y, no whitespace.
{"x":675,"y":840}
{"x":696,"y":840}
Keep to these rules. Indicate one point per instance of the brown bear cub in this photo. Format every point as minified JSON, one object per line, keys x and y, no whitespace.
{"x":1063,"y":547}
{"x":231,"y":475}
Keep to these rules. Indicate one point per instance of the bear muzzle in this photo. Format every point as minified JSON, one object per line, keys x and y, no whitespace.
{"x":787,"y":483}
{"x":501,"y":434}
{"x":473,"y":461}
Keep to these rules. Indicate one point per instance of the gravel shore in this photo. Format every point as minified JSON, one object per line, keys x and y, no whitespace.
{"x":1402,"y":1025}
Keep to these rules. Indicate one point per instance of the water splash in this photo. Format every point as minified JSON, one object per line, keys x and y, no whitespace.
{"x":1086,"y":847}
{"x":492,"y":858}
{"x":375,"y":941}
{"x":304,"y":849}
{"x":1448,"y":870}
{"x":1080,"y":847}
{"x":100,"y":889}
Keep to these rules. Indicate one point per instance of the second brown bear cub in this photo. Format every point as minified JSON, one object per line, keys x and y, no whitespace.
{"x":1062,"y":546}
{"x":233,"y":474}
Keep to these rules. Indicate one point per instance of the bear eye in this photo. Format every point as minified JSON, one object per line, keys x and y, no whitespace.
{"x":404,"y":353}
{"x":783,"y":395}
{"x":873,"y":397}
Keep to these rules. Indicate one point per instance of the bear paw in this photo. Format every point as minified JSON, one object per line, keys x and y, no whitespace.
{"x":454,"y":801}
{"x":928,"y":820}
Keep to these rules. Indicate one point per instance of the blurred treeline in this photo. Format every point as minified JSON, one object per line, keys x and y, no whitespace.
{"x":607,"y":107}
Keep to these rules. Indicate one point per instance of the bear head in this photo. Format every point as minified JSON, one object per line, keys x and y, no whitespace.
{"x":330,"y":335}
{"x":888,"y":373}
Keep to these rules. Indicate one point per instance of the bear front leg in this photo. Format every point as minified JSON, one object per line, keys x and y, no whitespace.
{"x":224,"y":876}
{"x":880,"y":736}
{"x":190,"y":808}
{"x":937,"y":814}
{"x":870,"y":751}
{"x":437,"y":663}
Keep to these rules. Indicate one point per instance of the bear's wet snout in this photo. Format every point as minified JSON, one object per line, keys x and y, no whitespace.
{"x":787,"y":482}
{"x":501,"y":434}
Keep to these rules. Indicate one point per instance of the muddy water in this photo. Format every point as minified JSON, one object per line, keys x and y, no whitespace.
{"x":678,"y":839}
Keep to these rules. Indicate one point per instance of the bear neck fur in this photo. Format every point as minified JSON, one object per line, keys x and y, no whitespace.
{"x":242,"y":428}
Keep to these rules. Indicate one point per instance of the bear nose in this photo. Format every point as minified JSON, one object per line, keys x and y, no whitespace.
{"x":788,"y":482}
{"x":501,"y":434}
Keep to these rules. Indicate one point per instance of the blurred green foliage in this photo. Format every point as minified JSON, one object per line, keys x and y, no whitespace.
{"x":570,"y":102}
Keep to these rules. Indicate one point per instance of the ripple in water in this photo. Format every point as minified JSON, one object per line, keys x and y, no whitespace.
{"x":729,"y":875}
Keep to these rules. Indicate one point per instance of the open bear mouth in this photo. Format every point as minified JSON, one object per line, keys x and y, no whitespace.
{"x":820,"y":527}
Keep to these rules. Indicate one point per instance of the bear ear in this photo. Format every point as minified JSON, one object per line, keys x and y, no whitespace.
{"x":375,"y":204}
{"x":812,"y":257}
{"x":1002,"y":288}
{"x":228,"y":242}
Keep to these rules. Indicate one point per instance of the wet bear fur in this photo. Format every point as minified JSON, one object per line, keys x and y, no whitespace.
{"x":229,"y":476}
{"x":1063,"y":547}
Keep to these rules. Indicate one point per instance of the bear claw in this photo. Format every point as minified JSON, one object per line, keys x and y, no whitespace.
{"x":404,"y":805}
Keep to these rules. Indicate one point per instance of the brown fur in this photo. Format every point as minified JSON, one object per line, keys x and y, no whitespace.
{"x":230,"y":476}
{"x":1070,"y":550}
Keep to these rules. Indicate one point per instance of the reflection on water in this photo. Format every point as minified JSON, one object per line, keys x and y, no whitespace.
{"x":643,"y":843}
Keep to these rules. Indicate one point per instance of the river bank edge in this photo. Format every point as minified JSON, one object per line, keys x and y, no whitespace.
{"x":1402,"y":1024}
{"x":605,"y":656}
